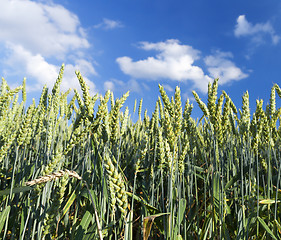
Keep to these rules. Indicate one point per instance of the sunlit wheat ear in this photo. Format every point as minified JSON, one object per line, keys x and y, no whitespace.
{"x":54,"y":101}
{"x":201,"y":104}
{"x":212,"y":97}
{"x":169,"y":131}
{"x":25,"y":127}
{"x":4,"y":86}
{"x":89,"y":102}
{"x":153,"y":124}
{"x":232,"y":106}
{"x":71,"y":104}
{"x":256,"y":132}
{"x":79,"y":99}
{"x":139,"y":109}
{"x":187,"y":109}
{"x":5,"y":148}
{"x":64,"y":106}
{"x":77,"y":137}
{"x":169,"y":105}
{"x":53,"y":176}
{"x":114,"y":117}
{"x":135,"y":106}
{"x":56,"y":88}
{"x":169,"y":156}
{"x":146,"y":119}
{"x":111,"y":98}
{"x":15,"y":102}
{"x":124,"y":121}
{"x":5,"y":100}
{"x":278,"y":90}
{"x":102,"y":115}
{"x":178,"y":112}
{"x":272,"y":100}
{"x":245,"y":117}
{"x":219,"y":106}
{"x":225,"y":116}
{"x":102,"y":108}
{"x":24,"y":90}
{"x":116,"y":184}
{"x":181,"y":161}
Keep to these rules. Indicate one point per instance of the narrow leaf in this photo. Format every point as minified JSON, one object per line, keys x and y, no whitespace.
{"x":262,"y":222}
{"x":182,"y":206}
{"x":278,"y":225}
{"x":15,"y":190}
{"x":68,"y":204}
{"x":3,"y":216}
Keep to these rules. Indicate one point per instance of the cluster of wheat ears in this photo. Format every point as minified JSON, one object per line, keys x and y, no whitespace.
{"x":80,"y":168}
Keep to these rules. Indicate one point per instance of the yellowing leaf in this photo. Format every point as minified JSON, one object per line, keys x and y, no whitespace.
{"x":268,"y":201}
{"x":147,"y":224}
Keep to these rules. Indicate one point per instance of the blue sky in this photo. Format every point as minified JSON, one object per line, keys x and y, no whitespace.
{"x":126,"y":45}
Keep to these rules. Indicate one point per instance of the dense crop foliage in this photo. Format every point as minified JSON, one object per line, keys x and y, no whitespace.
{"x":81,"y":169}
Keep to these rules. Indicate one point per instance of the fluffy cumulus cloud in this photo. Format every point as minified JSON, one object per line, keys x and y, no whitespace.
{"x":220,"y":66}
{"x":176,"y":62}
{"x":32,"y":33}
{"x":255,"y":31}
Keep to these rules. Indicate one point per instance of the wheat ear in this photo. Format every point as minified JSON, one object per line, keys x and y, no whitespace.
{"x":53,"y":176}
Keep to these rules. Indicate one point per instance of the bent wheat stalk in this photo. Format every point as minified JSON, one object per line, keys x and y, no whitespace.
{"x":53,"y":176}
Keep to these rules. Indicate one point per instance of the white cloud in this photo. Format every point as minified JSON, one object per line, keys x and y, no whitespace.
{"x":109,"y":24}
{"x":117,"y":85}
{"x":257,"y":31}
{"x":49,"y":29}
{"x":109,"y":85}
{"x":70,"y":79}
{"x":176,"y":62}
{"x":36,"y":67}
{"x":220,"y":66}
{"x":32,"y":33}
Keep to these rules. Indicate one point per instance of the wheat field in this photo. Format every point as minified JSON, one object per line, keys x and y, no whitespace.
{"x":80,"y":168}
